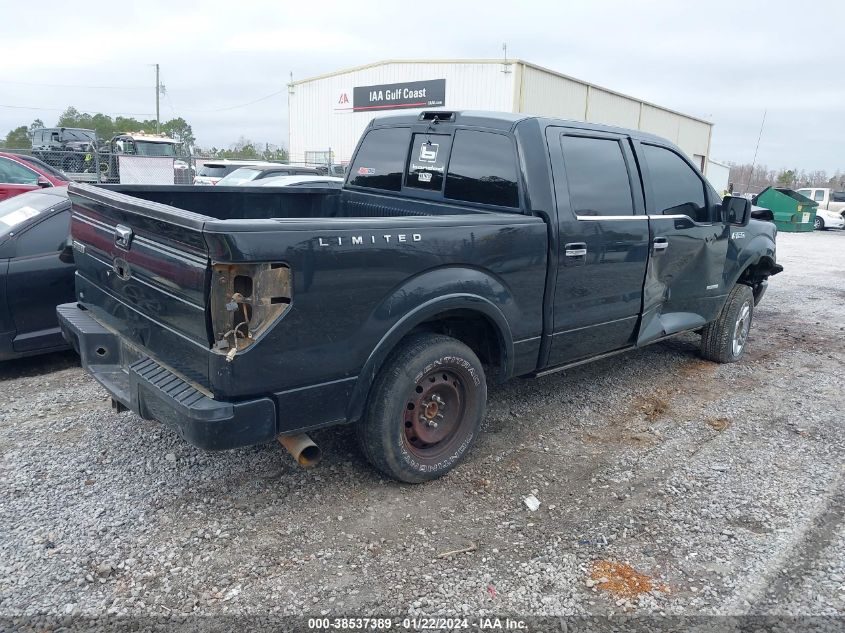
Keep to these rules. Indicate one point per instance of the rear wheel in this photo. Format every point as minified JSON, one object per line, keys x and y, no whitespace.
{"x":724,"y":340}
{"x":424,"y":409}
{"x":818,"y":224}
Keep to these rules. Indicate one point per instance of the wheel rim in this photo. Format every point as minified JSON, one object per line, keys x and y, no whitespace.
{"x":817,"y":224}
{"x":743,"y":325}
{"x":434,"y":411}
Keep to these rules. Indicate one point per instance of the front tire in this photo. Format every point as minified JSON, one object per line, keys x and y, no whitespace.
{"x":818,"y":224}
{"x":424,"y":409}
{"x":725,"y":339}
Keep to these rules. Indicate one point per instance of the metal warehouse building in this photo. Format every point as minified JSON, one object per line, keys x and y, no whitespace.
{"x":329,"y":112}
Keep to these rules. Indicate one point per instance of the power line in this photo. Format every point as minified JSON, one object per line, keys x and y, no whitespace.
{"x":40,"y":85}
{"x":232,"y":107}
{"x":240,"y":105}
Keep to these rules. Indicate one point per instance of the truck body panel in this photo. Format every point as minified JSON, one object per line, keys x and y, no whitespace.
{"x":530,"y":263}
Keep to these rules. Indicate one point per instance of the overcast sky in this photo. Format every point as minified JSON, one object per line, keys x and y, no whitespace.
{"x":723,"y":61}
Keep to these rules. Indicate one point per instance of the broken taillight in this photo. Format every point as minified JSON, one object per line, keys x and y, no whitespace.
{"x":246,"y":299}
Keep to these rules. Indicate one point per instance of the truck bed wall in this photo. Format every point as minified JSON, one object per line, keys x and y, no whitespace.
{"x":260,"y":203}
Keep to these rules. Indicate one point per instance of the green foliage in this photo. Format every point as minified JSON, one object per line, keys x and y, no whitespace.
{"x":106,"y":127}
{"x":179,"y":129}
{"x":786,"y":178}
{"x":246,"y":149}
{"x":17,"y":138}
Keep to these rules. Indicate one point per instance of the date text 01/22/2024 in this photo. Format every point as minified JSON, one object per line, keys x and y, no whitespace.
{"x":416,"y":624}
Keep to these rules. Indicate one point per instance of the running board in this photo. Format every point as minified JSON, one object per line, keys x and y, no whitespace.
{"x":584,"y":361}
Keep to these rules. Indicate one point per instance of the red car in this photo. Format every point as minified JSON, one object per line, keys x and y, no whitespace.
{"x":20,"y":173}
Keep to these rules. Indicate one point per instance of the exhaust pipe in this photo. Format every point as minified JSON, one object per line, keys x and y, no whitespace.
{"x":303,"y":449}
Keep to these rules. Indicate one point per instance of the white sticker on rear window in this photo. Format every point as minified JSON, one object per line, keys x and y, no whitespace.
{"x":19,"y":215}
{"x":428,"y":152}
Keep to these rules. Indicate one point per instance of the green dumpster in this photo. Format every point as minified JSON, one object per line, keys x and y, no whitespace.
{"x":792,"y":211}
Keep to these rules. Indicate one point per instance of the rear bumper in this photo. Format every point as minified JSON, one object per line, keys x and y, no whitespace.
{"x":832,"y":219}
{"x":155,"y":393}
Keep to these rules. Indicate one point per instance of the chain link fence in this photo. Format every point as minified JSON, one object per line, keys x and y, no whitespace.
{"x":104,"y":166}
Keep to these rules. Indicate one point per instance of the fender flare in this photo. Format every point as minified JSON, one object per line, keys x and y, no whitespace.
{"x":758,"y":248}
{"x":420,"y":314}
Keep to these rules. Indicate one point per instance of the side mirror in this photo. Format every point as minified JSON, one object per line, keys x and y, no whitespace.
{"x":735,"y":210}
{"x":44,"y":183}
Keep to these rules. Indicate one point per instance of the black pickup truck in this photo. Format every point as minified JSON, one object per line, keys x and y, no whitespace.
{"x":464,"y":247}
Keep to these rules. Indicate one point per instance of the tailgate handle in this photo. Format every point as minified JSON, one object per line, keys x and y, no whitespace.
{"x":123,"y":236}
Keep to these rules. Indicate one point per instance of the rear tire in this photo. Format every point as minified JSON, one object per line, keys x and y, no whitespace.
{"x":818,"y":224}
{"x":424,"y":409}
{"x":725,"y":339}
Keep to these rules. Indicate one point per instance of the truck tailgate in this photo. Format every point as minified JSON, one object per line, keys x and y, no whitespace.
{"x":143,"y":270}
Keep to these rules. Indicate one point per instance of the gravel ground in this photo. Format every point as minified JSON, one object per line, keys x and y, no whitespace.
{"x":667,"y":485}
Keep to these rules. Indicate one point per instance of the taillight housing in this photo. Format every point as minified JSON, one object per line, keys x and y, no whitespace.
{"x":246,"y":299}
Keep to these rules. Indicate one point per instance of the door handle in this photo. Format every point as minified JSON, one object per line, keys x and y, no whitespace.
{"x":661,"y":243}
{"x":575,"y":249}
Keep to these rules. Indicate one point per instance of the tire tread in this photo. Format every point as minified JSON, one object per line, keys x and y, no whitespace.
{"x":717,"y":336}
{"x":370,"y":435}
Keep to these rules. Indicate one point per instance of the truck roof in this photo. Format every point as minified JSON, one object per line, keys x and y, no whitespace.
{"x":503,"y":121}
{"x":78,"y":129}
{"x":149,"y":138}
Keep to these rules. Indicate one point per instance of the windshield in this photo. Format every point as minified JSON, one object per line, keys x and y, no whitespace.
{"x":15,"y":211}
{"x":78,"y":135}
{"x":146,"y":148}
{"x":215,"y":171}
{"x":240,"y":176}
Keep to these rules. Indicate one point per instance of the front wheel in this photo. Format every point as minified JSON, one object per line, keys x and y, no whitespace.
{"x":818,"y":224}
{"x":725,"y":339}
{"x":424,"y":409}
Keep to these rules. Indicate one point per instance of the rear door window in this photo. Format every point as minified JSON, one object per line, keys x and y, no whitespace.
{"x":819,"y":197}
{"x":482,"y":169}
{"x":597,"y":176}
{"x":380,"y":160}
{"x":676,"y":187}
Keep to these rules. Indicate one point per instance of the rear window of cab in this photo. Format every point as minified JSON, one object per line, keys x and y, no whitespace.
{"x":470,"y":166}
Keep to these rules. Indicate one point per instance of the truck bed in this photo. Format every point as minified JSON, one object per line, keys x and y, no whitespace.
{"x":262,"y":203}
{"x":357,"y":263}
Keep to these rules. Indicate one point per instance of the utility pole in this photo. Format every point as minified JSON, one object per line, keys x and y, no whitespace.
{"x":754,"y":160}
{"x":158,"y":92}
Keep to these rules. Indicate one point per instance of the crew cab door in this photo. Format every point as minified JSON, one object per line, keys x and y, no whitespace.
{"x":39,"y":278}
{"x":603,"y":243}
{"x":684,"y":286}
